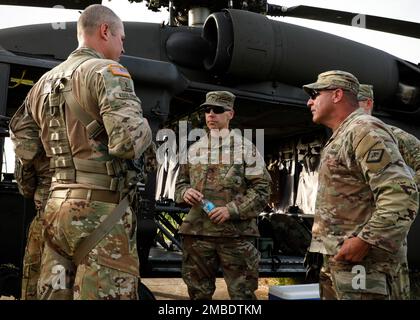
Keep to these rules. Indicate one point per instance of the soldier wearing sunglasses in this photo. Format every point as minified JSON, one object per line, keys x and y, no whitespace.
{"x":366,"y":200}
{"x":225,"y":236}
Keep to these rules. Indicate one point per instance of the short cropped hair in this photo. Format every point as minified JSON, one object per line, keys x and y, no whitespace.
{"x":351,"y":97}
{"x":94,"y":15}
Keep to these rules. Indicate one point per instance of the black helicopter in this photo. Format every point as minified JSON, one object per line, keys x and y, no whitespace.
{"x":218,"y":45}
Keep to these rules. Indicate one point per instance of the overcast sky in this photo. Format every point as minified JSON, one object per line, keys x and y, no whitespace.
{"x":400,"y":46}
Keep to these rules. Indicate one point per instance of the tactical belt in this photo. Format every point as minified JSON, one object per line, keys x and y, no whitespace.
{"x":87,"y":194}
{"x":97,"y":235}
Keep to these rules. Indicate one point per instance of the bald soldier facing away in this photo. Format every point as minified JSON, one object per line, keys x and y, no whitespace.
{"x":90,"y":121}
{"x":366,"y":198}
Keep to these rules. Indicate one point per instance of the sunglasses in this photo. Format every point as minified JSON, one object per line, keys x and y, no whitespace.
{"x":216,"y":109}
{"x":315,"y":93}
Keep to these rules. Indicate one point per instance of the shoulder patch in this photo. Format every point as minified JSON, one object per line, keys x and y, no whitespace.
{"x":125,"y":84}
{"x":375,"y":155}
{"x":118,"y":70}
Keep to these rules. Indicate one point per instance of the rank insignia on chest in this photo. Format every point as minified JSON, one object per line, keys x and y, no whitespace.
{"x":375,"y":155}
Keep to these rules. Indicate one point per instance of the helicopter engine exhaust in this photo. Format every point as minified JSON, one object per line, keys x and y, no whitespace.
{"x":251,"y":46}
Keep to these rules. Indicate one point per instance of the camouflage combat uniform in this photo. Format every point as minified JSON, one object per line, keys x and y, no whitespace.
{"x":33,"y":177}
{"x":90,"y":176}
{"x":245,"y":192}
{"x":409,"y":147}
{"x":365,"y":190}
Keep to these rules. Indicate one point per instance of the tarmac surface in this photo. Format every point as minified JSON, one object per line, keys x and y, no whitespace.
{"x":175,"y":288}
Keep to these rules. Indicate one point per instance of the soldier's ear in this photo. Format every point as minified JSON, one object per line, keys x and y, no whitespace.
{"x":231,"y":114}
{"x":370,"y":105}
{"x":337,"y":95}
{"x":104,"y":31}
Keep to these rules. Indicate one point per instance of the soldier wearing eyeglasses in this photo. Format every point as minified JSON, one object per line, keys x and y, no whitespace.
{"x":218,"y":171}
{"x":366,"y":199}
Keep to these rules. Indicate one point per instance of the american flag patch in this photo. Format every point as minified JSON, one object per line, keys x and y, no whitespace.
{"x":118,"y":70}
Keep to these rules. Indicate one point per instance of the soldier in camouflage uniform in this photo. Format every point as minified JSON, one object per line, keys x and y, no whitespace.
{"x":366,"y":198}
{"x":409,"y":147}
{"x":239,"y":190}
{"x":90,"y":120}
{"x":408,"y":144}
{"x":33,"y":177}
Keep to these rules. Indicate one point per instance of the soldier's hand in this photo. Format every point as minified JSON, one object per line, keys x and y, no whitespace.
{"x":353,"y":250}
{"x":192,"y":196}
{"x":219,"y":215}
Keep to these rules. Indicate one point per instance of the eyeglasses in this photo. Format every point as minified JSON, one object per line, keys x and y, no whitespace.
{"x":216,"y":109}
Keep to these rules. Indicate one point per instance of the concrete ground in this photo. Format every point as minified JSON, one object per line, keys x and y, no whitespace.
{"x":175,"y":288}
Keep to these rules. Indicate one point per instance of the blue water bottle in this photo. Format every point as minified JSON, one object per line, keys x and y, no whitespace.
{"x":207,"y":205}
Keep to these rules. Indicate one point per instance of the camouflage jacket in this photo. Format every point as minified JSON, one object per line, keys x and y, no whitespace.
{"x":105,"y":91}
{"x":365,"y":189}
{"x":32,"y":169}
{"x":409,"y":147}
{"x":226,"y":180}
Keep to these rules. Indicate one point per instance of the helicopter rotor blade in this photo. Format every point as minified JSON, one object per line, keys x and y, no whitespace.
{"x":405,"y":28}
{"x":67,"y":4}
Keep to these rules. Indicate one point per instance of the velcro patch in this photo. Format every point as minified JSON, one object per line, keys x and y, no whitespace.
{"x":125,"y":85}
{"x":375,"y":155}
{"x":125,"y":95}
{"x":118,"y":70}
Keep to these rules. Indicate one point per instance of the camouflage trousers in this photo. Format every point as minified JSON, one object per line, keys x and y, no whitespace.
{"x":109,"y":271}
{"x":366,"y":280}
{"x":202,"y":257}
{"x":32,"y":259}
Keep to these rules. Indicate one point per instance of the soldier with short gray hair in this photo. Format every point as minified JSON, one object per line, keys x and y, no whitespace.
{"x":366,"y":200}
{"x":222,"y":236}
{"x":89,"y":122}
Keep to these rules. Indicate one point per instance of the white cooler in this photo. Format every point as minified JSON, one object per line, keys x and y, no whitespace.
{"x":294,"y":292}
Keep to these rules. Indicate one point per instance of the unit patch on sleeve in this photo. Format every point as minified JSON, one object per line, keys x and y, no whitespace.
{"x":125,"y":84}
{"x":118,"y":70}
{"x":375,"y":155}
